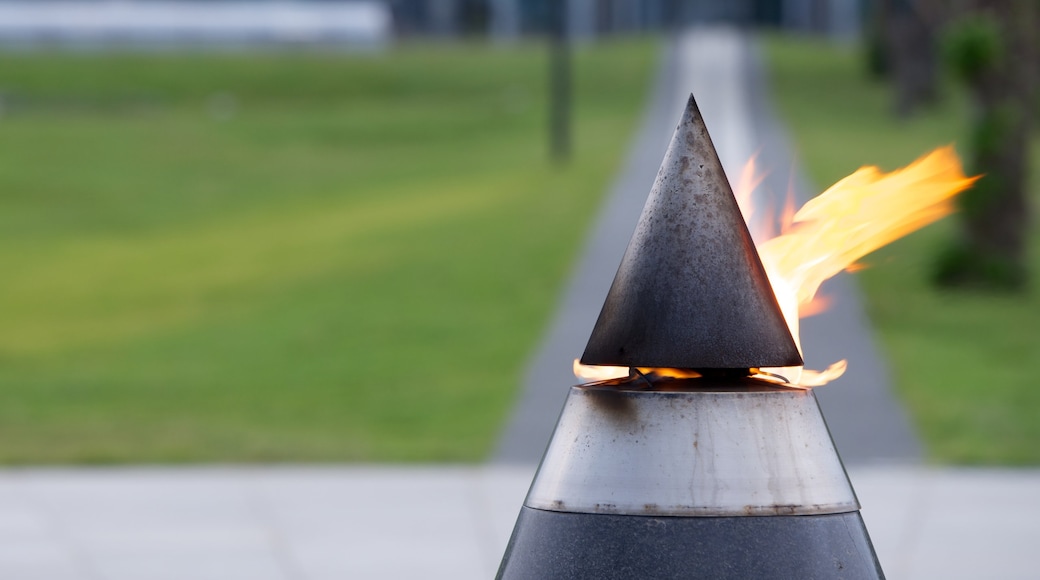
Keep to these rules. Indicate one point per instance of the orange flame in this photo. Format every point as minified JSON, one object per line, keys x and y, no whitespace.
{"x":590,"y":373}
{"x":856,"y":216}
{"x":831,"y":232}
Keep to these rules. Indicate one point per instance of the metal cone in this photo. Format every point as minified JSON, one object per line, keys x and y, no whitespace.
{"x":696,"y":478}
{"x":691,"y":291}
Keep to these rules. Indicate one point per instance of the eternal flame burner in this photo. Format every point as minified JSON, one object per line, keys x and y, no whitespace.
{"x":722,"y":476}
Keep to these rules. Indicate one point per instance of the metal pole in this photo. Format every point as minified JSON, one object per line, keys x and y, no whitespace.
{"x":559,"y":84}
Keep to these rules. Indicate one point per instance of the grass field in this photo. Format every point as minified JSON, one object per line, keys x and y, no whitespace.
{"x":294,"y":256}
{"x":963,"y":361}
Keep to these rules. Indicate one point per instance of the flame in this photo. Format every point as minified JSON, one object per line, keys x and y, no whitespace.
{"x":832,"y":232}
{"x":590,"y":373}
{"x":856,"y":216}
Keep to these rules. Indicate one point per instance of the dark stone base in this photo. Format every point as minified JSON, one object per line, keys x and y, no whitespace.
{"x":559,"y":545}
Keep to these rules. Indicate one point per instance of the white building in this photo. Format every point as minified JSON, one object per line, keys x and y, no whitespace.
{"x":119,"y":23}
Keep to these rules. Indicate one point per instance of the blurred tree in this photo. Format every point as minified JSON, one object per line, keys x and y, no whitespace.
{"x":474,"y":17}
{"x":879,"y":63}
{"x":992,"y":47}
{"x":905,"y":50}
{"x":559,"y":85}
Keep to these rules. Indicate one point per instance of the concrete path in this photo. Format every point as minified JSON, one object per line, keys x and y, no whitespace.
{"x":722,"y":68}
{"x":375,"y":523}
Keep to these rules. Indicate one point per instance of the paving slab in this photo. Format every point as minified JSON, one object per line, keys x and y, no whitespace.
{"x":453,"y":522}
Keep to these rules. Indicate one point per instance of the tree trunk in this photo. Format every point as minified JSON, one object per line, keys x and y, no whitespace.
{"x":910,"y":42}
{"x":879,"y":61}
{"x":995,"y":213}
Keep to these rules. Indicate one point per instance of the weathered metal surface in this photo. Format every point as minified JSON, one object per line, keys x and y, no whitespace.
{"x":691,"y":291}
{"x":564,"y":546}
{"x":693,"y":447}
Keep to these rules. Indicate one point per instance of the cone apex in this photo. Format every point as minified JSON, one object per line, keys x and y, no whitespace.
{"x":691,"y":291}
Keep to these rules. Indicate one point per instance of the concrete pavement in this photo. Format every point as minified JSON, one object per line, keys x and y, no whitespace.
{"x":366,"y":522}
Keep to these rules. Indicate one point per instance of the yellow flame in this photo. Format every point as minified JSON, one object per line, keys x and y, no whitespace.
{"x":856,"y":216}
{"x":591,"y":373}
{"x":830,"y":233}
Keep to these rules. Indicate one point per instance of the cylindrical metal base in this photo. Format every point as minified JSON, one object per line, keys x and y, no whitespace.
{"x":693,"y":478}
{"x":559,"y":545}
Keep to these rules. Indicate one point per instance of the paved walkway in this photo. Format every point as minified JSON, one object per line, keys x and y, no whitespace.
{"x":376,"y":523}
{"x":722,"y":69}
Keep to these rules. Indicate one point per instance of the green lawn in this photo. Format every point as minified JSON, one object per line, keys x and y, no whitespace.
{"x":964,"y":362}
{"x":291,"y":256}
